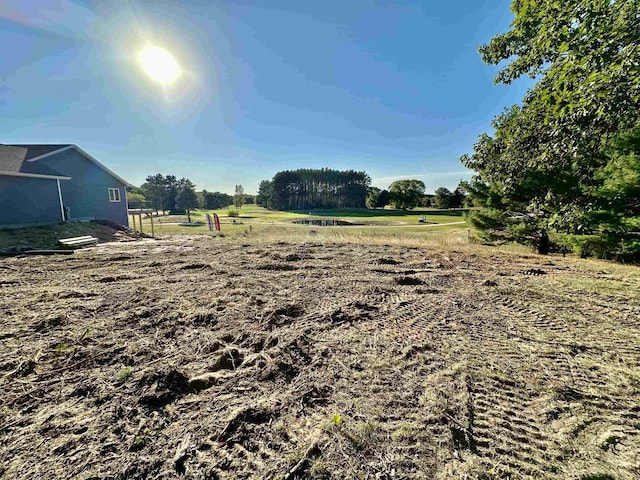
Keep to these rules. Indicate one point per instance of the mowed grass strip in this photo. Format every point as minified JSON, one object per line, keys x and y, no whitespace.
{"x":362,"y":220}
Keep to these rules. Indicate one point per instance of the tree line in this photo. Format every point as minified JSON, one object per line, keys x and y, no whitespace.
{"x":309,"y":189}
{"x":164,"y":193}
{"x":562,"y":169}
{"x":303,"y":189}
{"x":410,"y":193}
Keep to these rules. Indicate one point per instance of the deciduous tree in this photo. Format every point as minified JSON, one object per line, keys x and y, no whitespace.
{"x":406,"y":193}
{"x":238,"y":197}
{"x":548,"y":158}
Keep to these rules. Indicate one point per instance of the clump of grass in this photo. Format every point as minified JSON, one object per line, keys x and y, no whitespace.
{"x":61,"y":348}
{"x":124,"y":374}
{"x":138,"y":443}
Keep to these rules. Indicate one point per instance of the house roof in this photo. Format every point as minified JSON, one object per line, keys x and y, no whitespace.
{"x":30,"y":154}
{"x":14,"y":160}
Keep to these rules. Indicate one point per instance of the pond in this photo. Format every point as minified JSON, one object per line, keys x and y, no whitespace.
{"x":322,"y":222}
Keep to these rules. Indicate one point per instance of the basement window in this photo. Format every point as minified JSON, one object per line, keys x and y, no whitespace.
{"x":114,"y":194}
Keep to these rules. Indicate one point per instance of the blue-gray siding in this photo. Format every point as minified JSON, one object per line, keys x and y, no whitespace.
{"x":28,"y":201}
{"x":87,"y":193}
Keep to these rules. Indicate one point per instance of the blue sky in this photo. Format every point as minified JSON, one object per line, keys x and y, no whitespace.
{"x":393,"y":88}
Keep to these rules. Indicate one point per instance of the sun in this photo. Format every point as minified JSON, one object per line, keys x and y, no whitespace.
{"x":159,"y":64}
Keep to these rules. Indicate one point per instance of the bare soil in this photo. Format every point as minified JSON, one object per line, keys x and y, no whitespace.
{"x":192,"y":358}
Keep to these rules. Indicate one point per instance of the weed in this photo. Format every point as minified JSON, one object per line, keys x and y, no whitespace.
{"x":319,"y":467}
{"x":124,"y":374}
{"x":139,"y":443}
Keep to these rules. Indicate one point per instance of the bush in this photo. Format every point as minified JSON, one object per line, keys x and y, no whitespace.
{"x":608,"y":245}
{"x":233,"y":213}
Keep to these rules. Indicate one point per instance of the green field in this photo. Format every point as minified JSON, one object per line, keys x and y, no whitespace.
{"x":254,"y":220}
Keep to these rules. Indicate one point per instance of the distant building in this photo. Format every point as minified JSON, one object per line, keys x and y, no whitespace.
{"x":46,"y":184}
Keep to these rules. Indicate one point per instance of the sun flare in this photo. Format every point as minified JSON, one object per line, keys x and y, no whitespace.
{"x":159,"y":64}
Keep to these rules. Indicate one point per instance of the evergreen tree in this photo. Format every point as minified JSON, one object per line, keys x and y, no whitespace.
{"x":187,"y":199}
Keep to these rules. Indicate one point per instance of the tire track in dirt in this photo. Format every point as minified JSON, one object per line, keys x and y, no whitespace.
{"x":502,"y":427}
{"x":512,"y":438}
{"x":575,"y":393}
{"x":515,"y":424}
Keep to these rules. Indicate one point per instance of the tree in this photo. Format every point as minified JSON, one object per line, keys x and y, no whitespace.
{"x":264,"y":193}
{"x":216,"y":200}
{"x":383,"y":199}
{"x":548,"y":157}
{"x":187,"y":199}
{"x":172,"y":188}
{"x":458,"y":196}
{"x":135,"y":200}
{"x":406,"y":193}
{"x":306,"y":189}
{"x":372,"y":197}
{"x":443,"y":198}
{"x":239,"y":196}
{"x":154,"y":189}
{"x":201,"y":201}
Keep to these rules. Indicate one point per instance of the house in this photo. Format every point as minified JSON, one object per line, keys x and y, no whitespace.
{"x":45,"y":184}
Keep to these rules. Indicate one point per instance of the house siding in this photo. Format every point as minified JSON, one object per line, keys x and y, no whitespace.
{"x":87,"y":193}
{"x":28,"y":201}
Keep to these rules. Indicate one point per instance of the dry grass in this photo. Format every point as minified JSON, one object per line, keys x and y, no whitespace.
{"x":318,"y":357}
{"x":48,"y":236}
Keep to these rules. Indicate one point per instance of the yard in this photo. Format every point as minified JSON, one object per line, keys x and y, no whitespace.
{"x":362,"y":221}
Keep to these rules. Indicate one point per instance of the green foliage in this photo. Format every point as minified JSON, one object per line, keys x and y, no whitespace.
{"x":155,"y":190}
{"x":124,"y":374}
{"x":500,"y":225}
{"x":308,"y":189}
{"x":187,"y":200}
{"x":135,"y":198}
{"x":216,"y":200}
{"x":264,"y":193}
{"x":372,"y":197}
{"x":162,"y":191}
{"x":233,"y":213}
{"x":383,"y":199}
{"x":406,"y":193}
{"x":337,"y":420}
{"x":458,"y":197}
{"x":443,"y":198}
{"x":569,"y":153}
{"x":239,"y":196}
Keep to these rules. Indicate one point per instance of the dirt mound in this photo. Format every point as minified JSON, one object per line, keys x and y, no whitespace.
{"x":319,"y":361}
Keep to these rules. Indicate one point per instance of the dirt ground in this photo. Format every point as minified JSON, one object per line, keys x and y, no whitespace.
{"x":192,"y":358}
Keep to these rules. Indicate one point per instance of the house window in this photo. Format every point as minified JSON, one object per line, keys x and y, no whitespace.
{"x":114,"y":194}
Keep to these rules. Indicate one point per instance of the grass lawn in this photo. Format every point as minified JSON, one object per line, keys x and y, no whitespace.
{"x":377,"y":226}
{"x":48,"y":236}
{"x":370,"y":223}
